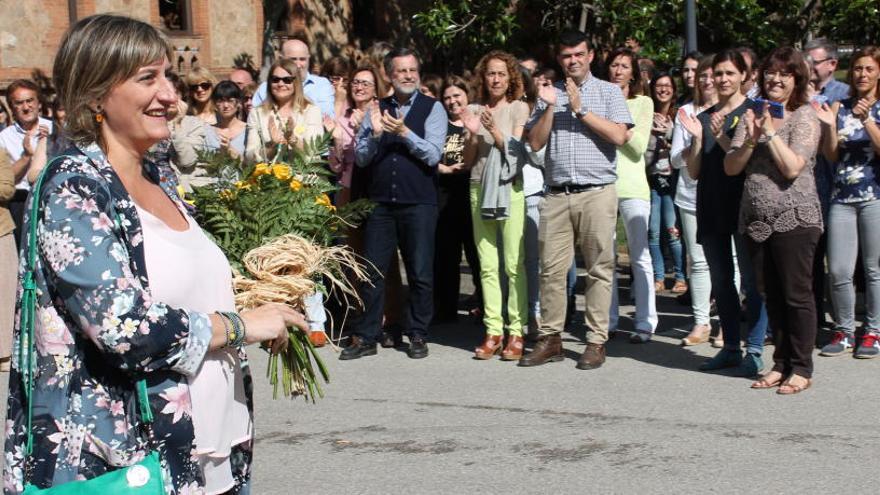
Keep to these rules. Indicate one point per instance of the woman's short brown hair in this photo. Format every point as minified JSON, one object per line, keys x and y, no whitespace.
{"x":300,"y":102}
{"x":98,"y":53}
{"x":515,"y":88}
{"x":869,"y":51}
{"x":790,"y":60}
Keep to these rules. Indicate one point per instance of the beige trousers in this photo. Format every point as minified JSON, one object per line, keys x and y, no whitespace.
{"x":587,"y":218}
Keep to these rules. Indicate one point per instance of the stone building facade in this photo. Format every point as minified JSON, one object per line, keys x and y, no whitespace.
{"x":210,"y":33}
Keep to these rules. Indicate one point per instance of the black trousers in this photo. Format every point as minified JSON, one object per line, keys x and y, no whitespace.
{"x":454,"y":233}
{"x":784,"y":270}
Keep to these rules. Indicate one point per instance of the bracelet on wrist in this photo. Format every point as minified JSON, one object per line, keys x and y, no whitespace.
{"x":235,"y":331}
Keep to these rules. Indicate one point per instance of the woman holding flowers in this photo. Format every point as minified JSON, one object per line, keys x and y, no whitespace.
{"x":128,"y":287}
{"x":851,"y":141}
{"x":495,"y":127}
{"x":285,"y":120}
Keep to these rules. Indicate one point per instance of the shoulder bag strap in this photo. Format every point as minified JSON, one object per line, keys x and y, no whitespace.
{"x":28,"y":312}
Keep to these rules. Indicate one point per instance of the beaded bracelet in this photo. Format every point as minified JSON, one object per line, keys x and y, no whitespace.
{"x":225,"y":327}
{"x":235,"y":336}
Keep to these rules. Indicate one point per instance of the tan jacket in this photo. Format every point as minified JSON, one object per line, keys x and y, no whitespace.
{"x":258,"y":129}
{"x":7,"y":191}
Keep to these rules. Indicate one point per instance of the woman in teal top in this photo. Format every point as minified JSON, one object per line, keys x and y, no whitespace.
{"x":634,"y":195}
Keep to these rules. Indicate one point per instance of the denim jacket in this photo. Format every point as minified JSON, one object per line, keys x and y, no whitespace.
{"x":97,"y":331}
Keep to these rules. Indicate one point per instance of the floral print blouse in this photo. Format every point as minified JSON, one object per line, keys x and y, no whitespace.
{"x":97,"y":331}
{"x":857,"y":174}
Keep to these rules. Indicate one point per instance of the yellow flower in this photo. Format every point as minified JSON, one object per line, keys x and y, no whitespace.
{"x":261,"y":169}
{"x":243,"y":185}
{"x":324,"y":201}
{"x":281,"y":171}
{"x":226,"y":194}
{"x":299,"y":130}
{"x":295,"y":185}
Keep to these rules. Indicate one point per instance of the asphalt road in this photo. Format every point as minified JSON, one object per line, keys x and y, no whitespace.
{"x":646,"y":422}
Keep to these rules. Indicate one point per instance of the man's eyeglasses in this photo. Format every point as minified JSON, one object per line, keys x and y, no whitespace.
{"x":21,"y":103}
{"x":285,"y":79}
{"x":204,"y":86}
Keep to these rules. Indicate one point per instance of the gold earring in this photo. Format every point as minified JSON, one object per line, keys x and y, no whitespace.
{"x":99,"y":116}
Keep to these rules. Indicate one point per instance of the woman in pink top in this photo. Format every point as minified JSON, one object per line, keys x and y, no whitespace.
{"x":364,"y":86}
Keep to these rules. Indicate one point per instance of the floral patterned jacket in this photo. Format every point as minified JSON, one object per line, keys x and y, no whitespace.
{"x":97,"y":331}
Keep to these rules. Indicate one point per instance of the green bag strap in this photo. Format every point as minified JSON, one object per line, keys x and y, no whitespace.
{"x":28,"y":312}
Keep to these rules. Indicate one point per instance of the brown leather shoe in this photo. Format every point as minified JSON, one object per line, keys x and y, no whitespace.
{"x":592,"y":358}
{"x":490,"y":347}
{"x":548,"y":348}
{"x":514,"y":349}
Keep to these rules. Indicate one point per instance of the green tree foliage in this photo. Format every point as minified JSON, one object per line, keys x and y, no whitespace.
{"x":462,"y":30}
{"x":853,"y":21}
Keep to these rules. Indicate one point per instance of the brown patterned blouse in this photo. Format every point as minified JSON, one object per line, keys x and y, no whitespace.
{"x":770,"y":202}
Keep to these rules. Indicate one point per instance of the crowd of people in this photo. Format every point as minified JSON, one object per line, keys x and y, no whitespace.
{"x":749,"y":179}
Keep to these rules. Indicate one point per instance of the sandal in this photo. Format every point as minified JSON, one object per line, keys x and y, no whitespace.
{"x":680,"y":287}
{"x":788,"y":388}
{"x":764,"y":383}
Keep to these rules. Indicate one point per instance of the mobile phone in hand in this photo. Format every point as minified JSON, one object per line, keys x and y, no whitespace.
{"x":777,"y":111}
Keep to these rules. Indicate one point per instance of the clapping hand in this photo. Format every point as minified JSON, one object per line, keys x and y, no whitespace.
{"x":471,"y":122}
{"x":825,"y":114}
{"x":357,"y":116}
{"x":275,"y":133}
{"x":547,"y":93}
{"x":40,"y":132}
{"x":574,"y":95}
{"x":223,"y":137}
{"x":862,"y":109}
{"x":717,"y":123}
{"x":691,"y":124}
{"x":393,"y":124}
{"x":376,"y":121}
{"x":488,"y":120}
{"x":662,"y":123}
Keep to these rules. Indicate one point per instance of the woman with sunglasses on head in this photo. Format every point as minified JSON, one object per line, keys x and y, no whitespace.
{"x":363,"y":89}
{"x":704,"y":96}
{"x":200,"y":83}
{"x":662,"y":179}
{"x":229,"y":133}
{"x":286,"y":120}
{"x":634,"y":194}
{"x":128,"y":289}
{"x":851,"y":141}
{"x":781,"y":217}
{"x":718,"y":210}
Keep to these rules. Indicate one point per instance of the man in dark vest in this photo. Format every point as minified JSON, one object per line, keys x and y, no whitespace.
{"x":399,"y":144}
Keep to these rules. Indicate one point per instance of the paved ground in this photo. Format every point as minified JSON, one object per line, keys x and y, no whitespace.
{"x":646,"y":422}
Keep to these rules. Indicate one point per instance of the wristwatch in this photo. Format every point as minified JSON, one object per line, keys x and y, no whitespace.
{"x":580,"y":114}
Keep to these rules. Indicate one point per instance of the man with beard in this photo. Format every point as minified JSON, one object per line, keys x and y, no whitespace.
{"x":399,"y":145}
{"x":581,"y":120}
{"x":22,"y":140}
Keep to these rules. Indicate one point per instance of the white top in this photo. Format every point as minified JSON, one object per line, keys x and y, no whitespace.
{"x":12,"y":140}
{"x":187,"y":270}
{"x":686,"y":190}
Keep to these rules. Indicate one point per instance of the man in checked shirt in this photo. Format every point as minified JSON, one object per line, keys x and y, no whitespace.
{"x":582,"y":120}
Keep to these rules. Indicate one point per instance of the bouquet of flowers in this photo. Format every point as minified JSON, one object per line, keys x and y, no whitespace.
{"x":276,"y":224}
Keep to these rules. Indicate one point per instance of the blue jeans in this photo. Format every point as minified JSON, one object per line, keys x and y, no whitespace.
{"x":720,"y":255}
{"x":663,"y":220}
{"x":412,"y":227}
